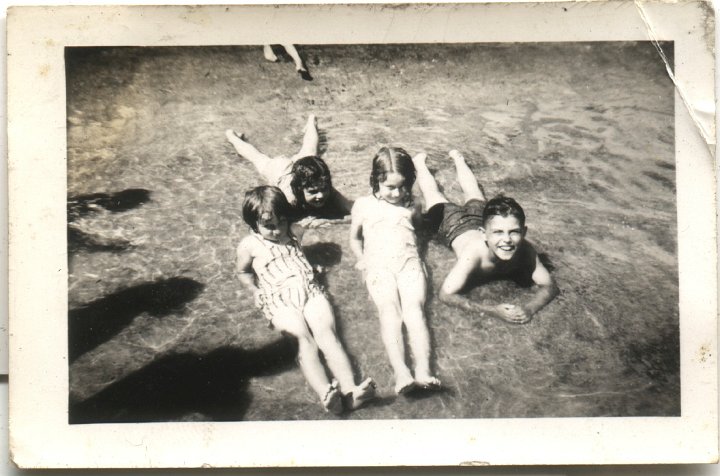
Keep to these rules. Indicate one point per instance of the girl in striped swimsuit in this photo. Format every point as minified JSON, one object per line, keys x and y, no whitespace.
{"x":272,"y":265}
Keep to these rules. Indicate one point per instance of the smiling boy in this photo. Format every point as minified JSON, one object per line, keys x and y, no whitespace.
{"x":488,"y":239}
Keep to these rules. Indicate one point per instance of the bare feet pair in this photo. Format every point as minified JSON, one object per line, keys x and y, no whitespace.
{"x":234,"y":136}
{"x":361,"y":394}
{"x":292,"y":51}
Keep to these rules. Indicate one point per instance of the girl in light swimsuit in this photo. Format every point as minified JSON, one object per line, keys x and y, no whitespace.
{"x":382,"y":236}
{"x":273,"y":266}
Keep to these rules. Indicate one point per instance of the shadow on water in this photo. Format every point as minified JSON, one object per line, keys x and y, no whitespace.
{"x":187,"y":387}
{"x":96,"y":322}
{"x":80,"y":206}
{"x":377,"y":402}
{"x":324,"y":254}
{"x":421,"y":393}
{"x":322,"y":142}
{"x":80,"y":240}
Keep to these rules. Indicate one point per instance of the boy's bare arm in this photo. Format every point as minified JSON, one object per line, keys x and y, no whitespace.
{"x":456,"y":280}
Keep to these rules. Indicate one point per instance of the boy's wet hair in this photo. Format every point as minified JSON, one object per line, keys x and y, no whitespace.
{"x":503,"y":206}
{"x":309,"y":172}
{"x":266,"y":199}
{"x":388,"y":160}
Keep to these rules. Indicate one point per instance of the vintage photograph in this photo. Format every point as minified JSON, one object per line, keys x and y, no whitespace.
{"x":460,"y":231}
{"x":395,"y":235}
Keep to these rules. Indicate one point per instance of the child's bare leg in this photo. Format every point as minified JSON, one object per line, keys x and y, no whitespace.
{"x":293,"y":52}
{"x":269,"y":53}
{"x":312,"y":368}
{"x":413,"y":289}
{"x":391,"y":332}
{"x":469,"y":184}
{"x":311,"y":139}
{"x":248,"y":151}
{"x":430,"y":191}
{"x":319,"y":316}
{"x":383,"y":290}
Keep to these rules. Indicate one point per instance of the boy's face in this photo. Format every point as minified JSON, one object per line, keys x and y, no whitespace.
{"x":272,"y":228}
{"x":316,"y":195}
{"x":392,"y":189}
{"x":503,"y":235}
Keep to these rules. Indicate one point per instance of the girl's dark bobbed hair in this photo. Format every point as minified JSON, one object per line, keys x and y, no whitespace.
{"x":307,"y":172}
{"x":262,"y":200}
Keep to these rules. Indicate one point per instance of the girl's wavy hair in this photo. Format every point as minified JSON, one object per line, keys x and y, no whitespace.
{"x":262,"y":200}
{"x":309,"y":172}
{"x":505,"y":207}
{"x":393,"y":159}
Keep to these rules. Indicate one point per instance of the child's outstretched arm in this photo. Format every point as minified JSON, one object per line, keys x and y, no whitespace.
{"x":356,"y":234}
{"x":455,"y":282}
{"x":314,"y":222}
{"x":244,"y":266}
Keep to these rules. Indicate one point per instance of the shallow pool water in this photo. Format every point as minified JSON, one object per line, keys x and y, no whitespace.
{"x":581,"y":134}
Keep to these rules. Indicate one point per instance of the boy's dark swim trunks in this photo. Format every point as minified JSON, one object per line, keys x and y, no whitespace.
{"x":449,"y":220}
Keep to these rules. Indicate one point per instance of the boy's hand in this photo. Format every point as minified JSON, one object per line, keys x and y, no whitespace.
{"x":512,"y":313}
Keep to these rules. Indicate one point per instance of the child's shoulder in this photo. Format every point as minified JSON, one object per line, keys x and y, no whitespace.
{"x":248,"y":244}
{"x":363,"y":202}
{"x":365,"y":199}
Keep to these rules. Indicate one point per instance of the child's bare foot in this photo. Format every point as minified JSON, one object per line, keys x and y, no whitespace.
{"x":332,"y":401}
{"x":455,"y":155}
{"x":419,"y":159}
{"x":404,"y":386}
{"x":269,"y":53}
{"x":311,"y":122}
{"x":233,"y":136}
{"x":428,"y":382}
{"x":362,"y":393}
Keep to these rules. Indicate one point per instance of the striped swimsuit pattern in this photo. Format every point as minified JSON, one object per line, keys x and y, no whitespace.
{"x":286,"y":279}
